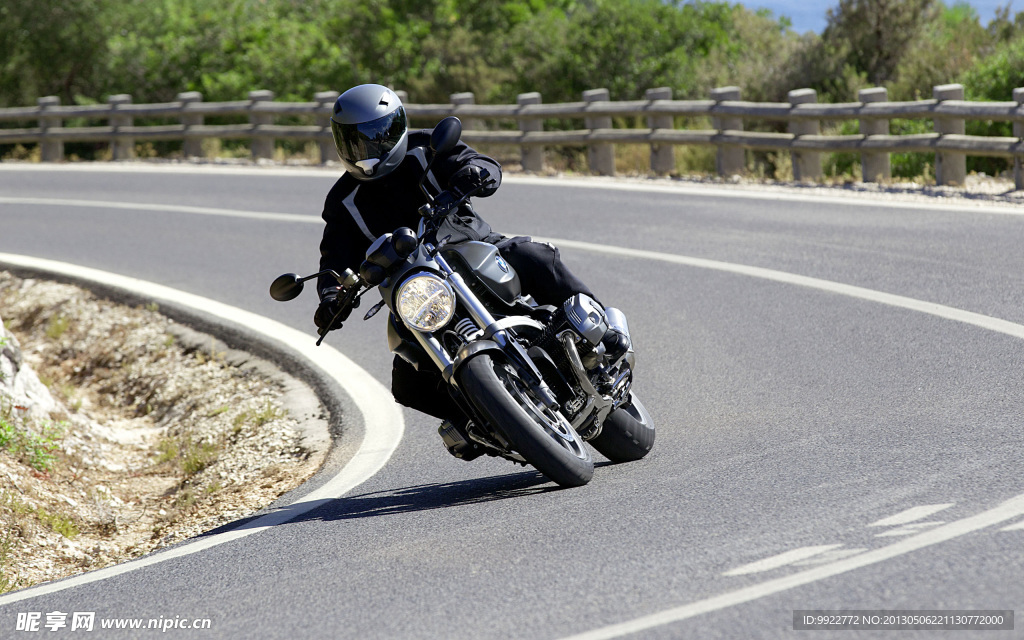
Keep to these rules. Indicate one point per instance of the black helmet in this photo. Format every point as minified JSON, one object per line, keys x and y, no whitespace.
{"x":370,"y":130}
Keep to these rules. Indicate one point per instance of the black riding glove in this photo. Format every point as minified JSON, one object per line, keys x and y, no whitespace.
{"x":330,"y":304}
{"x":468,"y":178}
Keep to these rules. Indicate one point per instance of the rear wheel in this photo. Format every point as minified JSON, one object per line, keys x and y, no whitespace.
{"x":541,"y":435}
{"x":627,"y":433}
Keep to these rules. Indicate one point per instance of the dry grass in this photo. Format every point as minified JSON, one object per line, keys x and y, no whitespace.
{"x":152,"y":441}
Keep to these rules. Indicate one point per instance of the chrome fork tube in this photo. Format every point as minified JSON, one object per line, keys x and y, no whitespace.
{"x":433,"y":349}
{"x":477,"y":311}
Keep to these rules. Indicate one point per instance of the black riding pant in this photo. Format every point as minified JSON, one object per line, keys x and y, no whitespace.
{"x":542,"y":275}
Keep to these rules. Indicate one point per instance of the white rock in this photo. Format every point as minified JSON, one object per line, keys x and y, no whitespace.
{"x":28,"y":391}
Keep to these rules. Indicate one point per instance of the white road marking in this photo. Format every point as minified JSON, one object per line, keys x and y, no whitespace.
{"x":1014,"y":527}
{"x":912,"y":514}
{"x":772,"y":195}
{"x":172,"y":208}
{"x":1008,"y":510}
{"x":903,"y":302}
{"x":781,"y":560}
{"x":209,"y":169}
{"x":912,"y":304}
{"x":884,"y":201}
{"x":908,"y":529}
{"x":382,"y":419}
{"x":1012,"y":508}
{"x":830,"y":556}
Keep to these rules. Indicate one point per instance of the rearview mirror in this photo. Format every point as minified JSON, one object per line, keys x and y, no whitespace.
{"x":286,"y":287}
{"x":446,"y":135}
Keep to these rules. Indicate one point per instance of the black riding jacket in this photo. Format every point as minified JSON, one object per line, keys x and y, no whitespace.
{"x":357,"y":213}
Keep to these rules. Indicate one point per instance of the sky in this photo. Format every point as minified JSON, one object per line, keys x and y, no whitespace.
{"x":809,"y":15}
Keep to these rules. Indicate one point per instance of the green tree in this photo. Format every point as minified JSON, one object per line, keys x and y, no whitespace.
{"x":626,"y":46}
{"x":756,"y":56}
{"x":51,"y":47}
{"x":862,"y":46}
{"x":949,"y":44}
{"x":997,"y":75}
{"x":223,"y":49}
{"x":873,"y":35}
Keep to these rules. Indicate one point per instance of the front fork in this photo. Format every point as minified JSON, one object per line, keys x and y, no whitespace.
{"x":495,"y":338}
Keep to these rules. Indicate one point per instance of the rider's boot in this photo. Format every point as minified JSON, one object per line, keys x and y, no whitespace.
{"x":616,"y":339}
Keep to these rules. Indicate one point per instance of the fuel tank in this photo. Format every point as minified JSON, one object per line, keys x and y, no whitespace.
{"x":479,"y":262}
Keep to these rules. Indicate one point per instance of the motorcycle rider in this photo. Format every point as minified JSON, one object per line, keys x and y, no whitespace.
{"x":379,"y":193}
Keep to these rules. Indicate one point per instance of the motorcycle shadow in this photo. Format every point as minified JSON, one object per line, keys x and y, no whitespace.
{"x":424,"y":497}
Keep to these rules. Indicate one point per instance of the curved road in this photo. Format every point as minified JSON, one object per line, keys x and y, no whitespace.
{"x":820,"y":446}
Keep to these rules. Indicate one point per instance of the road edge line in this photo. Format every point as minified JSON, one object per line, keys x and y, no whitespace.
{"x":382,"y":424}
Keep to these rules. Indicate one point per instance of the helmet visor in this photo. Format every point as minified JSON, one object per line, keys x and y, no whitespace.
{"x":369,"y":140}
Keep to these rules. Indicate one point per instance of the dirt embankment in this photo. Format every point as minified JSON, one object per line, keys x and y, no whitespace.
{"x":122,"y":432}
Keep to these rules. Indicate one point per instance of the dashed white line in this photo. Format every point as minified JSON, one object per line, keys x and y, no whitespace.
{"x":908,"y":529}
{"x":912,"y":514}
{"x":781,"y":560}
{"x":830,"y":556}
{"x":1009,"y":510}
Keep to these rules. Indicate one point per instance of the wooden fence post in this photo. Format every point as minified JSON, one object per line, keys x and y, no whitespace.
{"x":532,"y":155}
{"x":729,"y":161}
{"x":467,"y":97}
{"x":875,"y":167}
{"x":1018,"y":132}
{"x":328,"y":150}
{"x":50,"y":150}
{"x":806,"y":164}
{"x":121,"y":148}
{"x":950,"y":167}
{"x":600,"y":157}
{"x":663,"y":157}
{"x":192,"y":147}
{"x":262,"y":148}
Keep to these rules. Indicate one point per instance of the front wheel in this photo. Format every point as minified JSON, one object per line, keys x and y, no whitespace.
{"x":541,"y":435}
{"x":627,"y":433}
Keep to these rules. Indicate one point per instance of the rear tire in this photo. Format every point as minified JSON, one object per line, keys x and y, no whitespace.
{"x":542,"y":436}
{"x":627,"y":433}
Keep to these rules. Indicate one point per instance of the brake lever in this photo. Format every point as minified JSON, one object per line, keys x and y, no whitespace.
{"x":351,"y":296}
{"x":439,"y":214}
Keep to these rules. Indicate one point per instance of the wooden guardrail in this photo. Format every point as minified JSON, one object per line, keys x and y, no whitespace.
{"x":802,"y":112}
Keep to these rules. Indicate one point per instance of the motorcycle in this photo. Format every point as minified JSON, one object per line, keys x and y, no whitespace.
{"x":535,"y":382}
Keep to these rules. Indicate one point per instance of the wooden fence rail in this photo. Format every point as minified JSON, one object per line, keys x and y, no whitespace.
{"x":802,"y":113}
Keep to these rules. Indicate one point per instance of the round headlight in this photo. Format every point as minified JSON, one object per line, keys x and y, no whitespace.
{"x":426,"y":303}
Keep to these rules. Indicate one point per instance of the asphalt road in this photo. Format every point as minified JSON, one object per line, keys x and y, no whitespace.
{"x":791,"y":420}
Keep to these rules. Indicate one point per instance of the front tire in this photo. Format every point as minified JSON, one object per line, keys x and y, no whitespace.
{"x":542,"y":436}
{"x":627,"y":433}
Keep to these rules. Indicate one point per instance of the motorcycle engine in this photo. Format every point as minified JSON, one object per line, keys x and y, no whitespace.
{"x":586,"y":317}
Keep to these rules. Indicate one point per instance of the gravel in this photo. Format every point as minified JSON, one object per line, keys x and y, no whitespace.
{"x":131,"y":432}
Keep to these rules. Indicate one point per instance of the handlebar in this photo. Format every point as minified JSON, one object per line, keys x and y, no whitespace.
{"x":353,"y":284}
{"x":439,"y":210}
